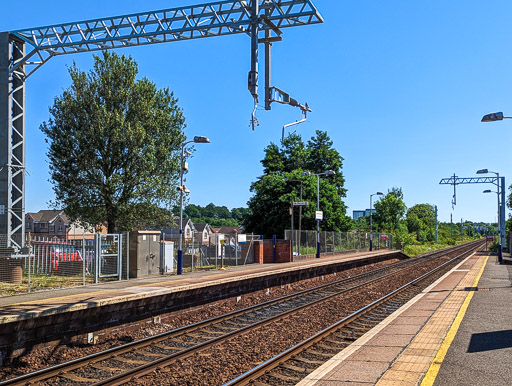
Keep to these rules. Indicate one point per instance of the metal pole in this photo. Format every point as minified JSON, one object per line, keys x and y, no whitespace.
{"x":300,"y":219}
{"x":502,"y":213}
{"x":461,"y":231}
{"x":291,"y":213}
{"x":128,"y":255}
{"x":268,"y":61}
{"x":436,"y":224}
{"x":451,"y":226}
{"x":83,"y":258}
{"x":318,"y":221}
{"x":371,"y":228}
{"x":179,"y":269}
{"x":193,"y":252}
{"x":29,"y":254}
{"x":253,"y":75}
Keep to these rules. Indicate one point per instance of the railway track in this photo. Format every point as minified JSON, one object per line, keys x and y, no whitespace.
{"x":294,"y":364}
{"x":121,"y":364}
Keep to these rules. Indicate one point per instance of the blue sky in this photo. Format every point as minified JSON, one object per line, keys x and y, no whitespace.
{"x":400,"y":87}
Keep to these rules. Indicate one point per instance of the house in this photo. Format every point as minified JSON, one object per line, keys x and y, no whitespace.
{"x":173,"y":234}
{"x":55,"y":223}
{"x":203,"y":232}
{"x":230,"y":231}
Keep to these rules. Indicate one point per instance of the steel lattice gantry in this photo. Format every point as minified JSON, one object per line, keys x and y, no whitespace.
{"x":23,"y":51}
{"x":500,"y":184}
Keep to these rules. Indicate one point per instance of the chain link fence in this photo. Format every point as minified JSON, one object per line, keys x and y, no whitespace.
{"x":305,"y":242}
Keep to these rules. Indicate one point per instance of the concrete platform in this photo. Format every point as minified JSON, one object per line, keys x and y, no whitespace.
{"x":58,"y":316}
{"x":456,"y":332}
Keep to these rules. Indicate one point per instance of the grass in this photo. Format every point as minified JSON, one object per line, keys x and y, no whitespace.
{"x":418,"y":249}
{"x":42,"y":282}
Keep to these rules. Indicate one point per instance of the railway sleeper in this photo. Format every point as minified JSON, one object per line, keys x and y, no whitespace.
{"x":282,"y":377}
{"x":320,"y":354}
{"x":129,"y":361}
{"x":308,"y":361}
{"x":169,"y":348}
{"x":76,"y":378}
{"x":293,"y":368}
{"x":100,"y":367}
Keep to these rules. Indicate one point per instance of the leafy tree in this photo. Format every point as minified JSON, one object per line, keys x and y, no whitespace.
{"x":361,"y":224}
{"x":390,"y":210}
{"x":114,"y":145}
{"x":192,"y":211}
{"x":421,"y":221}
{"x":239,"y":213}
{"x":269,"y":208}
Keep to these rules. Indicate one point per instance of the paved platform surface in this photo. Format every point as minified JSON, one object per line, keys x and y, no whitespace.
{"x":14,"y":308}
{"x":457,"y":332}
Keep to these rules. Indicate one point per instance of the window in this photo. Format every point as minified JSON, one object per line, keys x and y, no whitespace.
{"x":28,"y":225}
{"x":60,"y":228}
{"x":188,"y":232}
{"x":52,"y":229}
{"x":42,"y":226}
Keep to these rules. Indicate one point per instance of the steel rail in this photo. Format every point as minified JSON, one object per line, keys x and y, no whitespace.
{"x":277,"y":360}
{"x":59,"y":369}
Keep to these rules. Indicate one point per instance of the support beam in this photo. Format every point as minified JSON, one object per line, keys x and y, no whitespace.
{"x":5,"y":136}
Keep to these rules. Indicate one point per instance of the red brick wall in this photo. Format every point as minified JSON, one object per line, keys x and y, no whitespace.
{"x":264,"y":252}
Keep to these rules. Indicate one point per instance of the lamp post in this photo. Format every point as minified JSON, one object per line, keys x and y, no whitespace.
{"x":300,"y":212}
{"x":499,"y":239}
{"x":371,"y":225}
{"x":326,"y":173}
{"x":500,"y":220}
{"x":183,"y":189}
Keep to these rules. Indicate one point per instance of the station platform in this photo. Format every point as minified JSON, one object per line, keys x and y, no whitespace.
{"x":458,"y":331}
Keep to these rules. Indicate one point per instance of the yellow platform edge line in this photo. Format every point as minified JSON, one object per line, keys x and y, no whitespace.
{"x":433,"y":370}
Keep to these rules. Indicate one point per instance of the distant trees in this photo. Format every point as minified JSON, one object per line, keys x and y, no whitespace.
{"x":216,"y":216}
{"x":280,"y":185}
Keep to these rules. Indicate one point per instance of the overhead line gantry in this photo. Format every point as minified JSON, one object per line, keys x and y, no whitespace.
{"x":500,"y":184}
{"x":24,"y":51}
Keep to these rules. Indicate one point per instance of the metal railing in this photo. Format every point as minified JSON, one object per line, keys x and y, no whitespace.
{"x":49,"y":262}
{"x":304,"y":242}
{"x":200,"y":254}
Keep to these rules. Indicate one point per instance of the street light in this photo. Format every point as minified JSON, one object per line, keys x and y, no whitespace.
{"x":300,"y":213}
{"x":485,"y":171}
{"x":371,"y":230}
{"x":326,"y":173}
{"x":494,"y":117}
{"x":183,"y":189}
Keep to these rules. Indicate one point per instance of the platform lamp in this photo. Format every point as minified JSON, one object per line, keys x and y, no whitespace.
{"x":500,"y":220}
{"x":326,"y":173}
{"x":493,"y":117}
{"x":183,"y":189}
{"x":500,"y":256}
{"x":371,"y":229}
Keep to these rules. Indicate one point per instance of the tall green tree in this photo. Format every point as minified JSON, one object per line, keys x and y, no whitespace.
{"x":279,"y":186}
{"x":390,"y":210}
{"x":421,"y":221}
{"x":114,"y":145}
